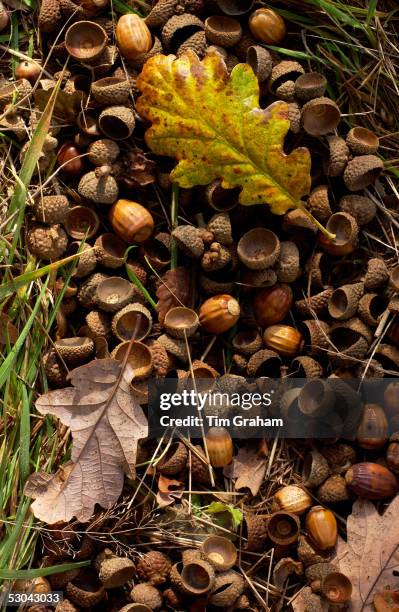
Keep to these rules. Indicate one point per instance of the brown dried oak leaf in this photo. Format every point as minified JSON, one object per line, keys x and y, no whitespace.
{"x":248,"y":468}
{"x":174,"y":290}
{"x":106,"y":422}
{"x":370,"y":557}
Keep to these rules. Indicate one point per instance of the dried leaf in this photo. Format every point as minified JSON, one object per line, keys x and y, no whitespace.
{"x":134,"y":169}
{"x":168,"y":491}
{"x":386,"y":601}
{"x":300,"y":601}
{"x":106,"y":423}
{"x":173,"y":291}
{"x":68,"y":104}
{"x":248,"y":468}
{"x":212,"y":124}
{"x":370,"y":557}
{"x":8,"y":331}
{"x":283,"y":569}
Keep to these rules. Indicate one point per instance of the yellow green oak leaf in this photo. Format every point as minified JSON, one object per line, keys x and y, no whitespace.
{"x":211,"y":123}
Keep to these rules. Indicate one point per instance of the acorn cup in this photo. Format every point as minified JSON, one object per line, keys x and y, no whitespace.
{"x":305,"y":367}
{"x":51,"y":209}
{"x":75,"y":350}
{"x":247,"y":342}
{"x":322,"y":527}
{"x":320,"y":116}
{"x":373,"y":429}
{"x":283,"y":75}
{"x":377,"y":273}
{"x":222,"y":30}
{"x":255,"y":530}
{"x":85,"y":590}
{"x":113,"y":293}
{"x":394,"y":278}
{"x":139,"y":359}
{"x":103,"y":151}
{"x":235,"y":7}
{"x":344,"y":301}
{"x":221,"y":200}
{"x":197,"y":577}
{"x":336,"y":588}
{"x":110,"y":250}
{"x":315,"y":469}
{"x":316,"y":304}
{"x":146,"y":596}
{"x":371,"y":308}
{"x":174,"y":460}
{"x":346,"y":229}
{"x":85,"y":40}
{"x":179,"y":28}
{"x":204,"y":375}
{"x":117,"y":122}
{"x":392,"y":455}
{"x":227,"y":588}
{"x":310,"y":85}
{"x":283,"y":528}
{"x":264,"y":363}
{"x":338,"y":156}
{"x":111,"y":90}
{"x":134,"y":320}
{"x":157,"y":250}
{"x":362,"y":141}
{"x":258,"y":249}
{"x":220,"y":446}
{"x":316,"y":336}
{"x":317,"y":398}
{"x":319,"y":204}
{"x":362,"y":171}
{"x":260,"y":61}
{"x":363,"y":209}
{"x":181,"y":322}
{"x":154,"y":567}
{"x":113,"y":571}
{"x":219,"y":552}
{"x":333,"y":490}
{"x":287,"y":267}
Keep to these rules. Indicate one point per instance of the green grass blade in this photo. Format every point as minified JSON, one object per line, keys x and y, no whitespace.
{"x":372,"y":7}
{"x":133,"y":278}
{"x":24,"y":438}
{"x":7,"y":574}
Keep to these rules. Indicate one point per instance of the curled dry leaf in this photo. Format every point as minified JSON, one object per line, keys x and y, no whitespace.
{"x":135,"y":169}
{"x":370,"y":557}
{"x":169,"y":491}
{"x":284,"y":568}
{"x":174,"y":290}
{"x":8,"y":331}
{"x":67,"y":106}
{"x":248,"y":468}
{"x":106,"y":423}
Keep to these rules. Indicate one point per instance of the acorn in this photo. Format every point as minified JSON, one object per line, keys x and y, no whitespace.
{"x":81,"y":222}
{"x":321,"y":526}
{"x":362,"y":171}
{"x":69,"y":159}
{"x":131,"y":221}
{"x":228,"y":586}
{"x":47,"y":243}
{"x":189,"y":240}
{"x":27,"y":69}
{"x":259,"y":248}
{"x":111,"y":90}
{"x":371,"y":481}
{"x":113,"y":571}
{"x":360,"y":207}
{"x":373,"y":428}
{"x":74,"y":350}
{"x":222,"y":30}
{"x":51,"y":209}
{"x":219,"y":313}
{"x":133,"y":36}
{"x":199,"y":467}
{"x":172,"y":598}
{"x":175,"y":459}
{"x":146,"y":594}
{"x":320,"y":116}
{"x":139,"y":358}
{"x":315,"y":469}
{"x":103,"y":151}
{"x":113,"y":293}
{"x":85,"y":40}
{"x":310,"y":85}
{"x":110,"y":250}
{"x":377,"y":273}
{"x":154,"y":568}
{"x":283,"y":528}
{"x":99,"y":186}
{"x":272,"y":305}
{"x":336,"y":588}
{"x":333,"y":490}
{"x":305,"y":367}
{"x":284,"y":339}
{"x":267,"y":26}
{"x":346,"y":230}
{"x":219,"y":552}
{"x":160,"y":13}
{"x":220,"y":446}
{"x":216,"y":257}
{"x":174,"y":346}
{"x":287,"y":266}
{"x":294,"y":117}
{"x":362,"y":141}
{"x":292,"y":499}
{"x":117,"y":122}
{"x":132,"y":320}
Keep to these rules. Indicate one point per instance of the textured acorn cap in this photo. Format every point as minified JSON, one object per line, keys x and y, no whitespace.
{"x":362,"y":141}
{"x":180,"y":27}
{"x":200,"y":469}
{"x":315,"y":304}
{"x":117,"y":122}
{"x":256,"y":531}
{"x":286,"y":91}
{"x":310,"y":85}
{"x":219,"y":551}
{"x":85,"y":40}
{"x":110,"y":90}
{"x":296,"y":219}
{"x":189,"y":555}
{"x":287,"y":70}
{"x":228,"y":586}
{"x":333,"y":490}
{"x":81,"y":222}
{"x":235,"y":7}
{"x":197,"y":576}
{"x":154,"y":567}
{"x":88,"y":288}
{"x":181,"y":322}
{"x":377,"y":273}
{"x":160,"y":359}
{"x":305,"y":367}
{"x":320,"y":570}
{"x":189,"y":240}
{"x":56,"y":372}
{"x":135,"y":607}
{"x":113,"y":571}
{"x":346,"y":231}
{"x":74,"y":350}
{"x":160,"y":13}
{"x":363,"y":209}
{"x":313,"y":602}
{"x":134,"y":319}
{"x":338,"y":156}
{"x":139,"y":61}
{"x":388,"y":356}
{"x":103,"y":151}
{"x":113,"y":293}
{"x":308,"y":554}
{"x":87,"y":260}
{"x":394,"y":278}
{"x":294,"y":116}
{"x":175,"y":459}
{"x":139,"y":359}
{"x":222,"y":30}
{"x":362,"y":171}
{"x":371,"y":307}
{"x":51,"y":209}
{"x":344,"y":301}
{"x":99,"y":324}
{"x":65,"y":605}
{"x":110,"y":250}
{"x":320,"y":116}
{"x":260,"y":61}
{"x":259,"y":278}
{"x":264,"y":363}
{"x":49,"y":16}
{"x":247,"y":342}
{"x":315,"y":469}
{"x":47,"y":243}
{"x":258,"y":248}
{"x":98,"y":189}
{"x":148,"y":595}
{"x":350,"y":345}
{"x":220,"y":226}
{"x":316,"y":337}
{"x":215,"y":257}
{"x":339,"y":455}
{"x":287,"y":267}
{"x":82,"y":597}
{"x":319,"y":204}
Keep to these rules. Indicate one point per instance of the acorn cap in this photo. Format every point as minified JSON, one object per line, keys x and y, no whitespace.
{"x":287,"y":268}
{"x":81,"y":223}
{"x":56,"y":372}
{"x":222,"y":30}
{"x":388,"y":356}
{"x":180,"y":27}
{"x":154,"y":567}
{"x":160,"y":13}
{"x":319,"y":204}
{"x":221,"y":199}
{"x":200,"y":469}
{"x":294,"y":116}
{"x":316,"y":304}
{"x":174,"y":346}
{"x":344,"y":301}
{"x":139,"y":61}
{"x":313,"y":602}
{"x":65,"y":605}
{"x":85,"y":40}
{"x":220,"y":226}
{"x":189,"y":555}
{"x":103,"y":151}
{"x":333,"y":490}
{"x":346,"y":230}
{"x":362,"y":171}
{"x":310,"y":85}
{"x":51,"y":209}
{"x":255,"y":527}
{"x":47,"y":243}
{"x":215,"y":257}
{"x":50,"y":16}
{"x":338,"y":156}
{"x":110,"y":90}
{"x":259,"y":248}
{"x":340,"y":455}
{"x":117,"y":122}
{"x":175,"y":459}
{"x":349,"y":344}
{"x":110,"y":250}
{"x":316,"y":398}
{"x":377,"y":273}
{"x":297,"y":219}
{"x":308,"y":554}
{"x":371,"y":308}
{"x":148,"y":595}
{"x":305,"y":367}
{"x":82,"y":596}
{"x":363,"y":209}
{"x":247,"y":342}
{"x":286,"y":91}
{"x":113,"y":293}
{"x":259,"y":278}
{"x":189,"y":240}
{"x":136,"y":607}
{"x":74,"y":350}
{"x":315,"y":469}
{"x":139,"y":359}
{"x":101,"y":189}
{"x":88,"y":288}
{"x":227,"y":587}
{"x":283,"y":528}
{"x":287,"y":70}
{"x":113,"y":571}
{"x":87,"y":122}
{"x":235,"y":7}
{"x":133,"y":320}
{"x":260,"y":61}
{"x":318,"y":571}
{"x":264,"y":363}
{"x":219,"y":552}
{"x":315,"y":333}
{"x":320,"y":116}
{"x":336,"y":588}
{"x":181,"y":322}
{"x":197,"y":576}
{"x":99,"y":324}
{"x":160,"y":359}
{"x":394,"y":278}
{"x":362,"y":141}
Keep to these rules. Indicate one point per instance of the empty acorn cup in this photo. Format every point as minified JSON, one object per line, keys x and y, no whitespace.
{"x":222,"y":30}
{"x":110,"y":250}
{"x":336,"y":588}
{"x":219,"y":552}
{"x":221,"y":199}
{"x":117,"y":122}
{"x":247,"y":342}
{"x":81,"y":222}
{"x":362,"y":171}
{"x":111,"y":90}
{"x":283,"y":528}
{"x":310,"y":85}
{"x":174,"y":460}
{"x":198,"y":577}
{"x":316,"y":398}
{"x":320,"y":116}
{"x":181,"y":322}
{"x":362,"y":141}
{"x":259,"y":248}
{"x":113,"y":293}
{"x":133,"y":320}
{"x":235,"y":7}
{"x":139,"y":359}
{"x":260,"y":61}
{"x":344,"y":301}
{"x":75,"y":350}
{"x":315,"y":469}
{"x":346,"y":229}
{"x":85,"y":40}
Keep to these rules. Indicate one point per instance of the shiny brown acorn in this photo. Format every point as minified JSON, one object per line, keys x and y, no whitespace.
{"x":133,"y":36}
{"x":267,"y":26}
{"x":371,"y":481}
{"x":284,"y":339}
{"x":373,"y":428}
{"x":69,"y":158}
{"x":272,"y":304}
{"x":220,"y":446}
{"x":322,"y":527}
{"x":28,"y":69}
{"x":292,"y":499}
{"x":131,"y":221}
{"x":219,"y":313}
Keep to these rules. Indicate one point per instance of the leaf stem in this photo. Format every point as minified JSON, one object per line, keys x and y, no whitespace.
{"x":174,"y":222}
{"x":309,"y":215}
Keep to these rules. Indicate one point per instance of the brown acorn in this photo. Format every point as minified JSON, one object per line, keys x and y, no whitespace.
{"x":373,"y":428}
{"x":175,"y":459}
{"x":284,"y":339}
{"x":131,"y":221}
{"x":371,"y":481}
{"x":272,"y":305}
{"x":292,"y":499}
{"x":219,"y":313}
{"x":267,"y":26}
{"x":133,"y":36}
{"x":333,"y":490}
{"x":220,"y":446}
{"x":322,"y":527}
{"x":146,"y":594}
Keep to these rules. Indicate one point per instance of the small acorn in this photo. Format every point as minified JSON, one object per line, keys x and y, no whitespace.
{"x":175,"y":459}
{"x":267,"y":26}
{"x":154,"y":567}
{"x":99,"y":186}
{"x":219,"y":313}
{"x":113,"y":571}
{"x":51,"y":209}
{"x":189,"y":240}
{"x":292,"y":499}
{"x":220,"y":446}
{"x":228,"y":586}
{"x":273,"y":304}
{"x":322,"y":527}
{"x":27,"y":69}
{"x":68,"y":157}
{"x":131,"y":221}
{"x":103,"y":151}
{"x":333,"y":490}
{"x":133,"y":36}
{"x":371,"y":481}
{"x":148,"y":595}
{"x":284,"y":339}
